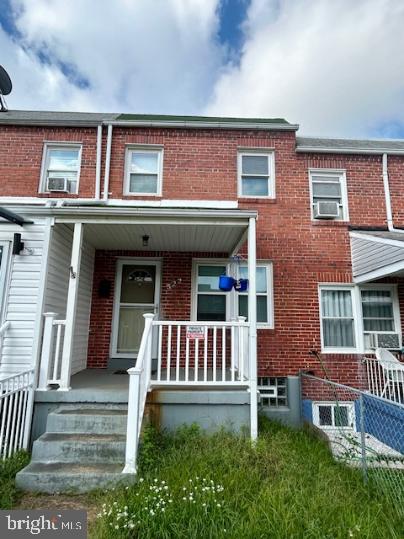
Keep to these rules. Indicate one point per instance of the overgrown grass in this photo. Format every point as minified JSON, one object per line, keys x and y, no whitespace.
{"x":286,"y":486}
{"x":8,"y":469}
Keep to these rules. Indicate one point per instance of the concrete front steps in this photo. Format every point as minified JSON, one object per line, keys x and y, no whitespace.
{"x":83,"y":448}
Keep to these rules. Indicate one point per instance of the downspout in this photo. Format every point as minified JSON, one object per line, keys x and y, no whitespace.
{"x":107,"y":162}
{"x":98,"y":164}
{"x":385,"y":175}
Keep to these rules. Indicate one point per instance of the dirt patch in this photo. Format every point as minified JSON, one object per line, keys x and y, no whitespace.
{"x":61,"y":502}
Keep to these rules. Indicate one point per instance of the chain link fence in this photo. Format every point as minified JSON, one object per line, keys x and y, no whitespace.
{"x":363,"y":430}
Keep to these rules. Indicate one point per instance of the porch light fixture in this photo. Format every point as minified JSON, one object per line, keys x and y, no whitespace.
{"x":145,"y":240}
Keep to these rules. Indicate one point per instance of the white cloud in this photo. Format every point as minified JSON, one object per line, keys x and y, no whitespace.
{"x":334,"y":66}
{"x":141,"y":56}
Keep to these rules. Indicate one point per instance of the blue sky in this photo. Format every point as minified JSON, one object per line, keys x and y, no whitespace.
{"x":334,"y":67}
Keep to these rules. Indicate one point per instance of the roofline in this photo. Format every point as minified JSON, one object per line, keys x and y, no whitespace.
{"x":348,"y":150}
{"x":135,"y":212}
{"x":50,"y":123}
{"x":195,"y":124}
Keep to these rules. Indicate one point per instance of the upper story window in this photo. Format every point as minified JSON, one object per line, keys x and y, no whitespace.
{"x":143,"y":174}
{"x":328,"y":194}
{"x":61,"y":168}
{"x":256,"y":174}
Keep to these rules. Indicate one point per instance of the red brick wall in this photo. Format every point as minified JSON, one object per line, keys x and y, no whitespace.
{"x":21,"y":150}
{"x":202,"y":164}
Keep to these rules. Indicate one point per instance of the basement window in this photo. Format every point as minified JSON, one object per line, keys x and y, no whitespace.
{"x":333,"y":415}
{"x":273,"y":391}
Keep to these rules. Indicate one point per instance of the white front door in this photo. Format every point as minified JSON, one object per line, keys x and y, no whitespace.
{"x":137,"y":292}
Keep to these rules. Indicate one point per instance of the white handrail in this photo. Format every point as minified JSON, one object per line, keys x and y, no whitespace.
{"x":139,"y":385}
{"x":16,"y":403}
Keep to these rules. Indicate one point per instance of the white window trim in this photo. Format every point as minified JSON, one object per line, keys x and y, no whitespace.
{"x":344,"y":191}
{"x":143,"y":148}
{"x":357,"y":315}
{"x":196,"y":262}
{"x":270,"y":154}
{"x":269,"y":294}
{"x":45,"y":160}
{"x":232,"y":296}
{"x":351,"y":414}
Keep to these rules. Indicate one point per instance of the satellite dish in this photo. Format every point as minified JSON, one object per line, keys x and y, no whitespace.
{"x":5,"y":87}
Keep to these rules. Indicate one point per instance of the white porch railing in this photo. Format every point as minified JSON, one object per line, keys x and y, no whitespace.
{"x":385,"y":380}
{"x":188,"y":353}
{"x":51,"y":372}
{"x":139,"y":385}
{"x":201,"y":353}
{"x":16,"y":402}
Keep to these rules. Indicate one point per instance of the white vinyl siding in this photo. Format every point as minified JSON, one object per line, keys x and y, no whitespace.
{"x":256,"y":174}
{"x":57,"y":285}
{"x":22,"y":296}
{"x":329,"y":186}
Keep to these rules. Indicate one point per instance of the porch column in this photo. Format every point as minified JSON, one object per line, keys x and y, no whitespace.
{"x":71,"y":306}
{"x":252,"y":318}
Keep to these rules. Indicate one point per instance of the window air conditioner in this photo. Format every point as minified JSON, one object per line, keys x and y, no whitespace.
{"x":57,"y":184}
{"x":384,"y":340}
{"x":326,"y":209}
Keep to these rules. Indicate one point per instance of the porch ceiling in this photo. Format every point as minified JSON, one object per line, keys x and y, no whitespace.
{"x":164,"y":237}
{"x":221,"y":231}
{"x":376,"y":254}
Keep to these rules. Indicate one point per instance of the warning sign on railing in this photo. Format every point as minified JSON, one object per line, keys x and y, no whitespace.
{"x":195,"y":332}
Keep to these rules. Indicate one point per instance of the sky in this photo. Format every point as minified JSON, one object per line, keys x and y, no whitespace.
{"x":336,"y":67}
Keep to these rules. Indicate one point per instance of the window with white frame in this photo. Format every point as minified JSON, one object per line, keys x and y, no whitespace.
{"x":210,"y":300}
{"x":264,"y":294}
{"x":351,"y":314}
{"x":256,"y":174}
{"x":143,"y":174}
{"x":328,"y":193}
{"x":332,"y":415}
{"x":61,"y":168}
{"x":337,"y":318}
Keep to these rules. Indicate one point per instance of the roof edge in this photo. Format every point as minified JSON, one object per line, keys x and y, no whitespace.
{"x":197,"y":124}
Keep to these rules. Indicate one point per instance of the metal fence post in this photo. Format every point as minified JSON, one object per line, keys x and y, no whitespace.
{"x":363,"y":439}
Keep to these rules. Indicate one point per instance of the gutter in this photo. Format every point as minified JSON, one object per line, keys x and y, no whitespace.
{"x":202,"y":125}
{"x":387,"y":197}
{"x":354,"y":151}
{"x":107,"y":163}
{"x":98,"y":163}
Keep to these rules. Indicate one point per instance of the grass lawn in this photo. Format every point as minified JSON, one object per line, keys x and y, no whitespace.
{"x":196,"y":486}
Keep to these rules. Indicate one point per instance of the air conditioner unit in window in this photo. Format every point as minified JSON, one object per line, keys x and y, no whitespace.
{"x":326,"y":209}
{"x":384,"y":340}
{"x":57,"y":184}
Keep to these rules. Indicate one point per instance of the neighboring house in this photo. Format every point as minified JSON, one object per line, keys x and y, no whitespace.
{"x":126,"y":215}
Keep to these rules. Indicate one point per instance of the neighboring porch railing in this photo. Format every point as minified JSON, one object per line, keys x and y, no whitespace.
{"x":16,"y":402}
{"x":385,"y":380}
{"x":51,"y":371}
{"x":201,"y":353}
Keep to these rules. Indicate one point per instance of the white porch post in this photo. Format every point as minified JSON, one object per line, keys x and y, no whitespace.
{"x":71,"y":306}
{"x":252,"y":318}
